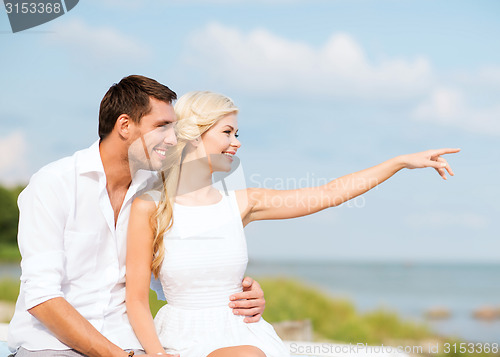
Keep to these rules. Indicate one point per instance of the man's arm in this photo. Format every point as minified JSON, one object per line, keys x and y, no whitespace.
{"x":43,"y":208}
{"x":73,"y":329}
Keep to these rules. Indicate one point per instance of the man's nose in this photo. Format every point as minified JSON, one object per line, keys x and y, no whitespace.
{"x":170,"y":137}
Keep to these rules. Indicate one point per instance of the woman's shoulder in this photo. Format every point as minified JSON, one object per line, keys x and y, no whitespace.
{"x":151,"y":195}
{"x":147,"y":202}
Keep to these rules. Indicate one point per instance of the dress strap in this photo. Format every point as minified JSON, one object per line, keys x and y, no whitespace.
{"x":233,"y":202}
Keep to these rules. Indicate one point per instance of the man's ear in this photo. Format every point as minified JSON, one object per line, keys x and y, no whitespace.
{"x":123,"y":126}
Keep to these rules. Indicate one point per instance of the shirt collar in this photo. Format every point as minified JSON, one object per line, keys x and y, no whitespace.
{"x":90,"y":162}
{"x":144,"y":179}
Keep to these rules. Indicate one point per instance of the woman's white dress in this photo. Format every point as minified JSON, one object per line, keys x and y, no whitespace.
{"x":205,"y":261}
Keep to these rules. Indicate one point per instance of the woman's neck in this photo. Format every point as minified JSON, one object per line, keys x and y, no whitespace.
{"x":195,"y":183}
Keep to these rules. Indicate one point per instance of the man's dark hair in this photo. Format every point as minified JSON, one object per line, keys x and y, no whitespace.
{"x":130,"y":96}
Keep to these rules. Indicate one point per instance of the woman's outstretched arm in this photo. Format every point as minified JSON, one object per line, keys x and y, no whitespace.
{"x":139,"y":258}
{"x":262,"y":204}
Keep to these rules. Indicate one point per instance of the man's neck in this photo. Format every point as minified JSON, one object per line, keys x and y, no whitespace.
{"x":116,"y":167}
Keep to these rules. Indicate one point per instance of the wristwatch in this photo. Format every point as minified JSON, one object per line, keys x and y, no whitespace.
{"x":131,"y":353}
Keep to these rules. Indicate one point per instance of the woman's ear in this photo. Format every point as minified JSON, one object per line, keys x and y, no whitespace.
{"x":196,"y":142}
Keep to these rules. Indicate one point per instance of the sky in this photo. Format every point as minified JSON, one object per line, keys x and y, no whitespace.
{"x":325,"y":88}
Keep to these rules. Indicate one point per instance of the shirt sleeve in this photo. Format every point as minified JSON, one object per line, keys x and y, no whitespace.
{"x":42,"y":217}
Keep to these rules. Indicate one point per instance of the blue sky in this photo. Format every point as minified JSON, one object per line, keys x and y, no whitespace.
{"x":325,"y":88}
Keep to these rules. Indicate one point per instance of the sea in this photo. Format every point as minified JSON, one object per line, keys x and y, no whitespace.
{"x":409,"y":289}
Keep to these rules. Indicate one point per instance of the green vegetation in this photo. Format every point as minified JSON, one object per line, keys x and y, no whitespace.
{"x":9,"y":216}
{"x":9,"y":290}
{"x":334,"y":319}
{"x":154,"y":303}
{"x":337,"y":320}
{"x":9,"y":253}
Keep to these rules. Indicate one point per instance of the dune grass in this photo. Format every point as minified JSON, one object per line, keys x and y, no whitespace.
{"x":332,"y":318}
{"x":337,"y":319}
{"x":9,"y":290}
{"x":9,"y":253}
{"x":154,"y":303}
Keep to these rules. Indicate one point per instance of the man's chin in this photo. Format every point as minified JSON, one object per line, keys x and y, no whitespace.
{"x":221,"y":168}
{"x":164,"y":165}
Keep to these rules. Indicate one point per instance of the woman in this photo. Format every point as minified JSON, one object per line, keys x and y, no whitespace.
{"x":202,"y":253}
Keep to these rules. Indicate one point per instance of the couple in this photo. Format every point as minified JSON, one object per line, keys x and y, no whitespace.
{"x":74,"y":221}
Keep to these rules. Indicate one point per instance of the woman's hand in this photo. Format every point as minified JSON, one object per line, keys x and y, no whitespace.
{"x":429,"y":158}
{"x":250,"y":302}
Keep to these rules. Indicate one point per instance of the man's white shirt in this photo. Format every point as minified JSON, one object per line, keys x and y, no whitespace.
{"x":71,"y":248}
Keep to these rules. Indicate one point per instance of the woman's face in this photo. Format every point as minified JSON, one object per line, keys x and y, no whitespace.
{"x":220,"y":142}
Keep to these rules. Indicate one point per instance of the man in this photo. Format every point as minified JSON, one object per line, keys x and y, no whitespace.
{"x":72,"y":231}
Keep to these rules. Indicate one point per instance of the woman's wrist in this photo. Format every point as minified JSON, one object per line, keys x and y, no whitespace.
{"x":400,"y":162}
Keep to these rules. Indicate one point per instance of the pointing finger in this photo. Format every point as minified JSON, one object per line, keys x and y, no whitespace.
{"x":445,"y":151}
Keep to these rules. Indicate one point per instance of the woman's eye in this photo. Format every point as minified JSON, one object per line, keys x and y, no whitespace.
{"x":228,"y":132}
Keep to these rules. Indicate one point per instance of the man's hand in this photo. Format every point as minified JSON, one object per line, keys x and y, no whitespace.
{"x":72,"y":329}
{"x":250,"y":302}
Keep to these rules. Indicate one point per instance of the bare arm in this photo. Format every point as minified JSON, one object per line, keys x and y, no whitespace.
{"x":265,"y":204}
{"x":73,"y":329}
{"x":139,"y":258}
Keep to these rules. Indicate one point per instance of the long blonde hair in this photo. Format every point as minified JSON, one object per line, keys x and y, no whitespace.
{"x":196,"y":113}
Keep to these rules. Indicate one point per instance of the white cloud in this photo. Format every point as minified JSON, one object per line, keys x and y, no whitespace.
{"x":443,"y":104}
{"x":442,"y":219}
{"x":448,"y":106}
{"x":485,"y":78}
{"x":13,"y":161}
{"x":87,"y":42}
{"x":262,"y":61}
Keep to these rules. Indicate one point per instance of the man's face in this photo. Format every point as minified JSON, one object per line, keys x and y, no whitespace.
{"x":152,"y":137}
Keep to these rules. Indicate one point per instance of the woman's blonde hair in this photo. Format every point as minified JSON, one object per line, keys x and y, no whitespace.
{"x":196,"y":113}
